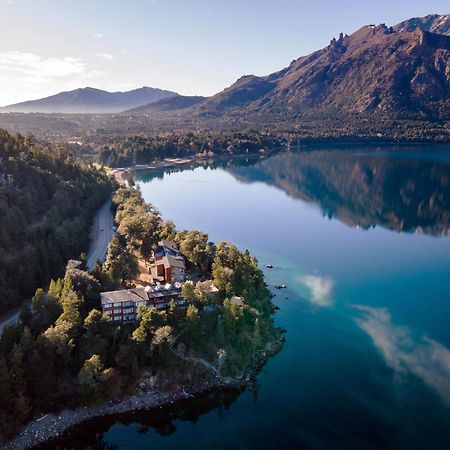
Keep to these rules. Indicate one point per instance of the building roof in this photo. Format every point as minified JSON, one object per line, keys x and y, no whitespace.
{"x":168,"y":244}
{"x":213,"y":289}
{"x":139,"y":294}
{"x":172,"y":261}
{"x":124,"y":295}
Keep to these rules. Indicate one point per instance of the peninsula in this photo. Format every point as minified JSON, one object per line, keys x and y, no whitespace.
{"x":167,"y":315}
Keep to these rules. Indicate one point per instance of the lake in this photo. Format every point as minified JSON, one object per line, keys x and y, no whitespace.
{"x":359,"y":236}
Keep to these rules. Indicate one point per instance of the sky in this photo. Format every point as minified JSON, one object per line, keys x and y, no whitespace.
{"x":194,"y":47}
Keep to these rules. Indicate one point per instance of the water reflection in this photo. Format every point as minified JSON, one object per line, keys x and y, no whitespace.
{"x":329,"y":388}
{"x":406,"y":353}
{"x":320,"y":289}
{"x":400,"y":191}
{"x":157,"y":422}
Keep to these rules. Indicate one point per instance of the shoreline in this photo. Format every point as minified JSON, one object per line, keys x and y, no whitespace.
{"x":53,"y":425}
{"x":118,"y":172}
{"x":167,"y":163}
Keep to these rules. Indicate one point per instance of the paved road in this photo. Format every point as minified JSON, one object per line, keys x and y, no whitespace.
{"x":103,"y":220}
{"x":101,"y":234}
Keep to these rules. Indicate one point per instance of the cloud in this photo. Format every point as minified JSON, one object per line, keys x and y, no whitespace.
{"x":29,"y":64}
{"x":320,"y":289}
{"x":405,"y":353}
{"x":106,"y":56}
{"x":28,"y":75}
{"x":93,"y":34}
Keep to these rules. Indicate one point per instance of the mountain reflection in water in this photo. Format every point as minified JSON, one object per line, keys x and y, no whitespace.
{"x":360,"y":239}
{"x":399,"y":190}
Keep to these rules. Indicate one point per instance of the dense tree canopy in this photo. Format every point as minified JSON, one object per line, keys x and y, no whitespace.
{"x":47,"y":201}
{"x":64,"y":351}
{"x":140,"y":149}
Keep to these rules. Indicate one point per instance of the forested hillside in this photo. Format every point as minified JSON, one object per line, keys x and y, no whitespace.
{"x":47,"y":201}
{"x":142,"y":149}
{"x":65,"y":353}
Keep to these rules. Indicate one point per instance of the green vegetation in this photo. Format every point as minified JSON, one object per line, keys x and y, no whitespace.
{"x":141,"y":149}
{"x":47,"y":201}
{"x":278,"y":131}
{"x":65,"y":352}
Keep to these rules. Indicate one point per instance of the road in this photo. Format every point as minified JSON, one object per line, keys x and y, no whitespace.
{"x":103,"y":220}
{"x":101,"y":234}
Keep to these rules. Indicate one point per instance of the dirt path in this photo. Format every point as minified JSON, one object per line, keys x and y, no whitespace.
{"x":202,"y":361}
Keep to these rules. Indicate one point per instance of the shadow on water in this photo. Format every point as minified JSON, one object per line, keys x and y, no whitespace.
{"x":366,"y":364}
{"x":161,"y":420}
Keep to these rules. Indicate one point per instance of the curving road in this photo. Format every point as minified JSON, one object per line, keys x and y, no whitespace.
{"x":101,"y":233}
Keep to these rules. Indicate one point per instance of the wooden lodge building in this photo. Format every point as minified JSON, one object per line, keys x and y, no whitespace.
{"x":167,"y":263}
{"x":122,"y":306}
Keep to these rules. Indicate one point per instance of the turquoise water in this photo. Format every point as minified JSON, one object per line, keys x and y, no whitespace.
{"x":359,"y":238}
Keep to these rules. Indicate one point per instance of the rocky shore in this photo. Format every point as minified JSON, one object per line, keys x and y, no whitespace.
{"x":53,"y":425}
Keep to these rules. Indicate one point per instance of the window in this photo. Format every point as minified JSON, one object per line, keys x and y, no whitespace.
{"x":117,"y":311}
{"x":116,"y":318}
{"x":118,"y":304}
{"x":128,"y":310}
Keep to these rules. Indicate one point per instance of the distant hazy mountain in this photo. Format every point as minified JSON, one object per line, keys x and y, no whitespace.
{"x":90,"y":100}
{"x":374,"y":69}
{"x":399,"y":71}
{"x":432,"y":23}
{"x":177,"y":102}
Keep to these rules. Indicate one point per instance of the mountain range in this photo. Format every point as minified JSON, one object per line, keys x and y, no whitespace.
{"x":401,"y":71}
{"x":376,"y":69}
{"x":90,"y":100}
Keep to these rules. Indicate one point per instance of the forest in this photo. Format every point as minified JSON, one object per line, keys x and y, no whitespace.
{"x":65,"y":353}
{"x":47,"y":202}
{"x":141,"y":149}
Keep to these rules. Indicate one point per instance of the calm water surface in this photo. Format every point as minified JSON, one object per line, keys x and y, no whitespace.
{"x":359,"y":237}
